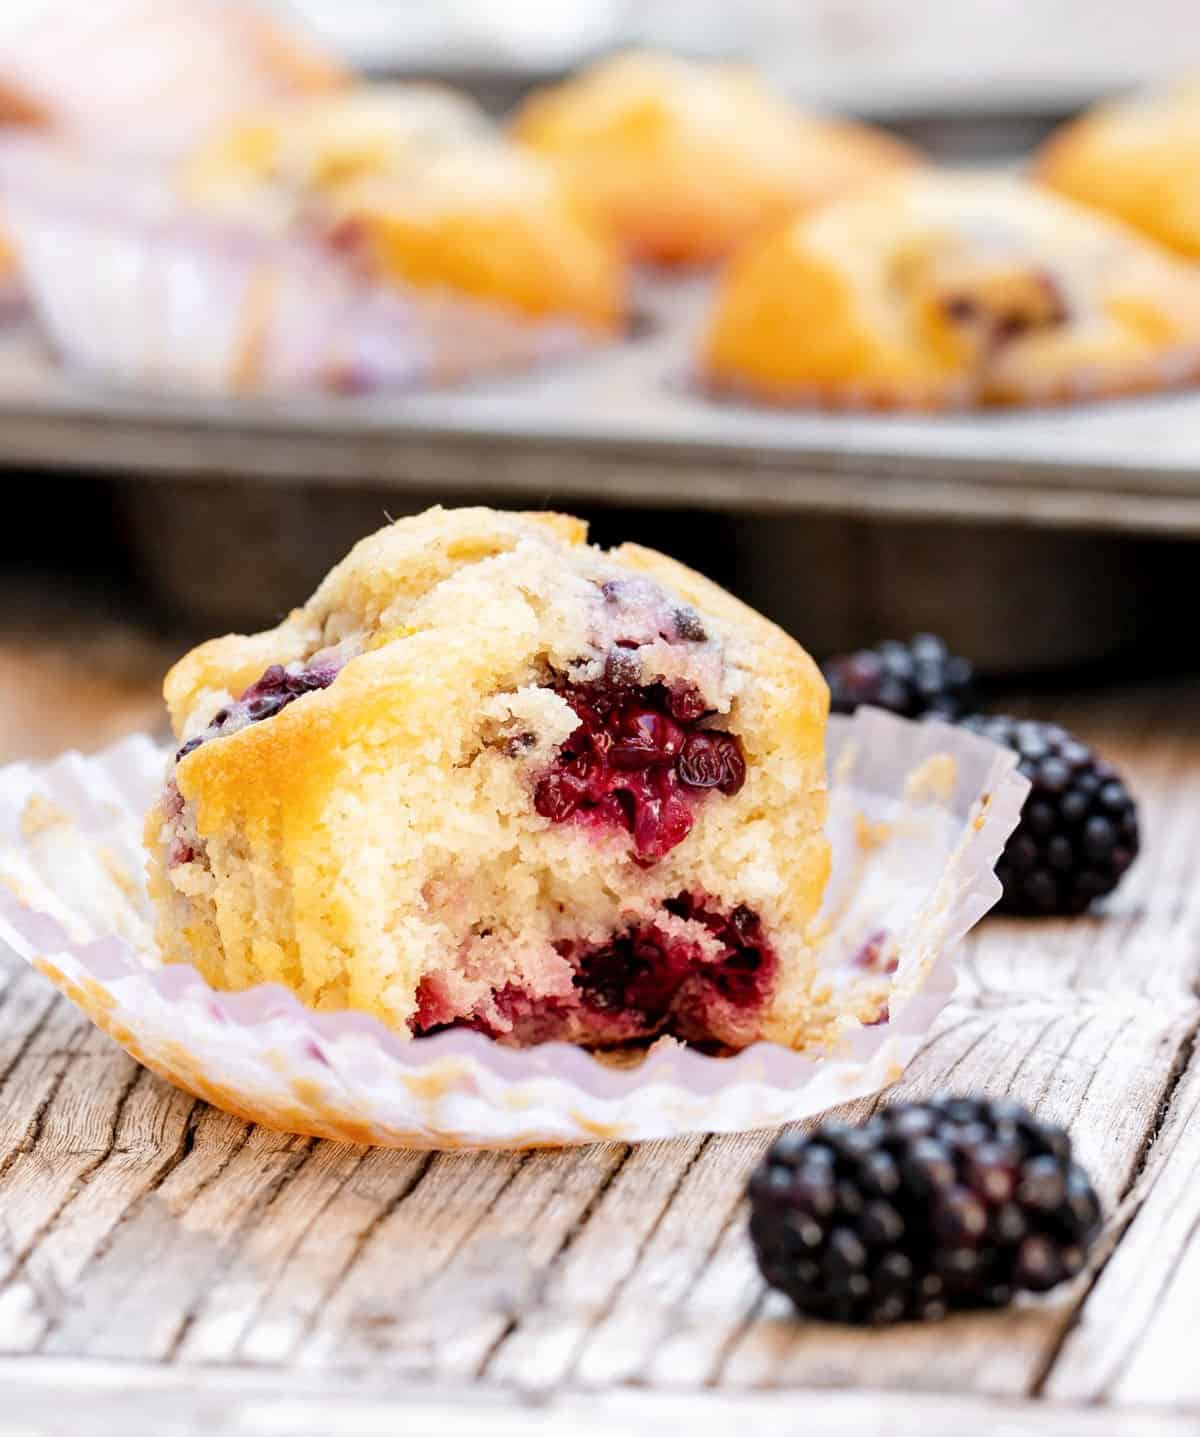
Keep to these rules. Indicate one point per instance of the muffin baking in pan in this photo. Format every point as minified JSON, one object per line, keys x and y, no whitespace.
{"x":382,"y":238}
{"x":685,"y":161}
{"x":937,"y":290}
{"x":304,"y":230}
{"x":1137,"y":158}
{"x":415,"y":185}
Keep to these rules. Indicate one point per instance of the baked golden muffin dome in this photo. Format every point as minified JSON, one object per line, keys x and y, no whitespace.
{"x":490,"y":776}
{"x":288,"y":154}
{"x":1137,"y":158}
{"x":416,"y":185}
{"x":938,"y":289}
{"x":684,"y":160}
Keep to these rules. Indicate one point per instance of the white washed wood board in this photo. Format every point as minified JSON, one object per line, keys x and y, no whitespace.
{"x":159,"y":1257}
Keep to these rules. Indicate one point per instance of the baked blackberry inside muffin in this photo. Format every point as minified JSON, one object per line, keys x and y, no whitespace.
{"x":934,"y":290}
{"x":683,"y":161}
{"x":489,"y":776}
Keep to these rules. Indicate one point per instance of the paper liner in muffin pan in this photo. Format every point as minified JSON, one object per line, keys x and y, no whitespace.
{"x":918,"y":816}
{"x":130,"y":287}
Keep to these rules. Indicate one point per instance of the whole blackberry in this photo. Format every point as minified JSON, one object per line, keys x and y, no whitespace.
{"x":953,"y":1203}
{"x":913,"y":679}
{"x":1078,"y":831}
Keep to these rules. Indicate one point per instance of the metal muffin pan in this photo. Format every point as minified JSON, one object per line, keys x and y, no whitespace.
{"x":623,"y":425}
{"x":832,"y":522}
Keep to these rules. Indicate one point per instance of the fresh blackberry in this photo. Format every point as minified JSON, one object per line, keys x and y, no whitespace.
{"x":953,"y":1203}
{"x":1078,"y":831}
{"x":913,"y":679}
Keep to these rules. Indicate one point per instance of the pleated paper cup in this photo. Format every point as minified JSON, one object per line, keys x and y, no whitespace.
{"x":919,"y":814}
{"x":130,"y":287}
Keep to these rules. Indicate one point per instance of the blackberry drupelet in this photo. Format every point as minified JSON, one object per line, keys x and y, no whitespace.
{"x":1078,"y":831}
{"x":927,"y":1207}
{"x":911,"y":679}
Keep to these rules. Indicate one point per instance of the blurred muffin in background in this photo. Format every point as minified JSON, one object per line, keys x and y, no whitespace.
{"x":149,"y":77}
{"x":685,"y":160}
{"x":374,"y":239}
{"x":1137,"y":158}
{"x":145,"y":78}
{"x":284,"y":155}
{"x":933,"y":290}
{"x":415,"y":186}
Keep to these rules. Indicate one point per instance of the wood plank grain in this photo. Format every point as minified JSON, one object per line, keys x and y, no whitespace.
{"x":46,"y":1398}
{"x":722,"y":1330}
{"x":705,"y":1207}
{"x":580,"y":1288}
{"x":444,"y":1324}
{"x":298,"y":1257}
{"x":150,"y":1134}
{"x":412,"y":1241}
{"x":1134,"y":1342}
{"x":137,"y":1298}
{"x":42,"y":1039}
{"x":26,"y":1002}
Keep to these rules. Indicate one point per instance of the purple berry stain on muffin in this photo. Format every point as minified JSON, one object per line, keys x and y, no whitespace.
{"x":274,"y":690}
{"x":705,"y":978}
{"x":638,"y":761}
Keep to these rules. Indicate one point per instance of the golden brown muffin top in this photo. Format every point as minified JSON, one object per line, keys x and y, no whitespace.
{"x":685,"y":159}
{"x":936,"y":288}
{"x":1137,"y":158}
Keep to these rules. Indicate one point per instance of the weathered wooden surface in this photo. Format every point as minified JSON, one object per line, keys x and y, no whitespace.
{"x":159,"y":1257}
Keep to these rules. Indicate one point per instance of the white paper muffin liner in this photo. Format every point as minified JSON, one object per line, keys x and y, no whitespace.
{"x":131,"y":288}
{"x":918,"y":815}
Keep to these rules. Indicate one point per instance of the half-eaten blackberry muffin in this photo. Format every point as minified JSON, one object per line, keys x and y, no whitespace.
{"x":492,"y":777}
